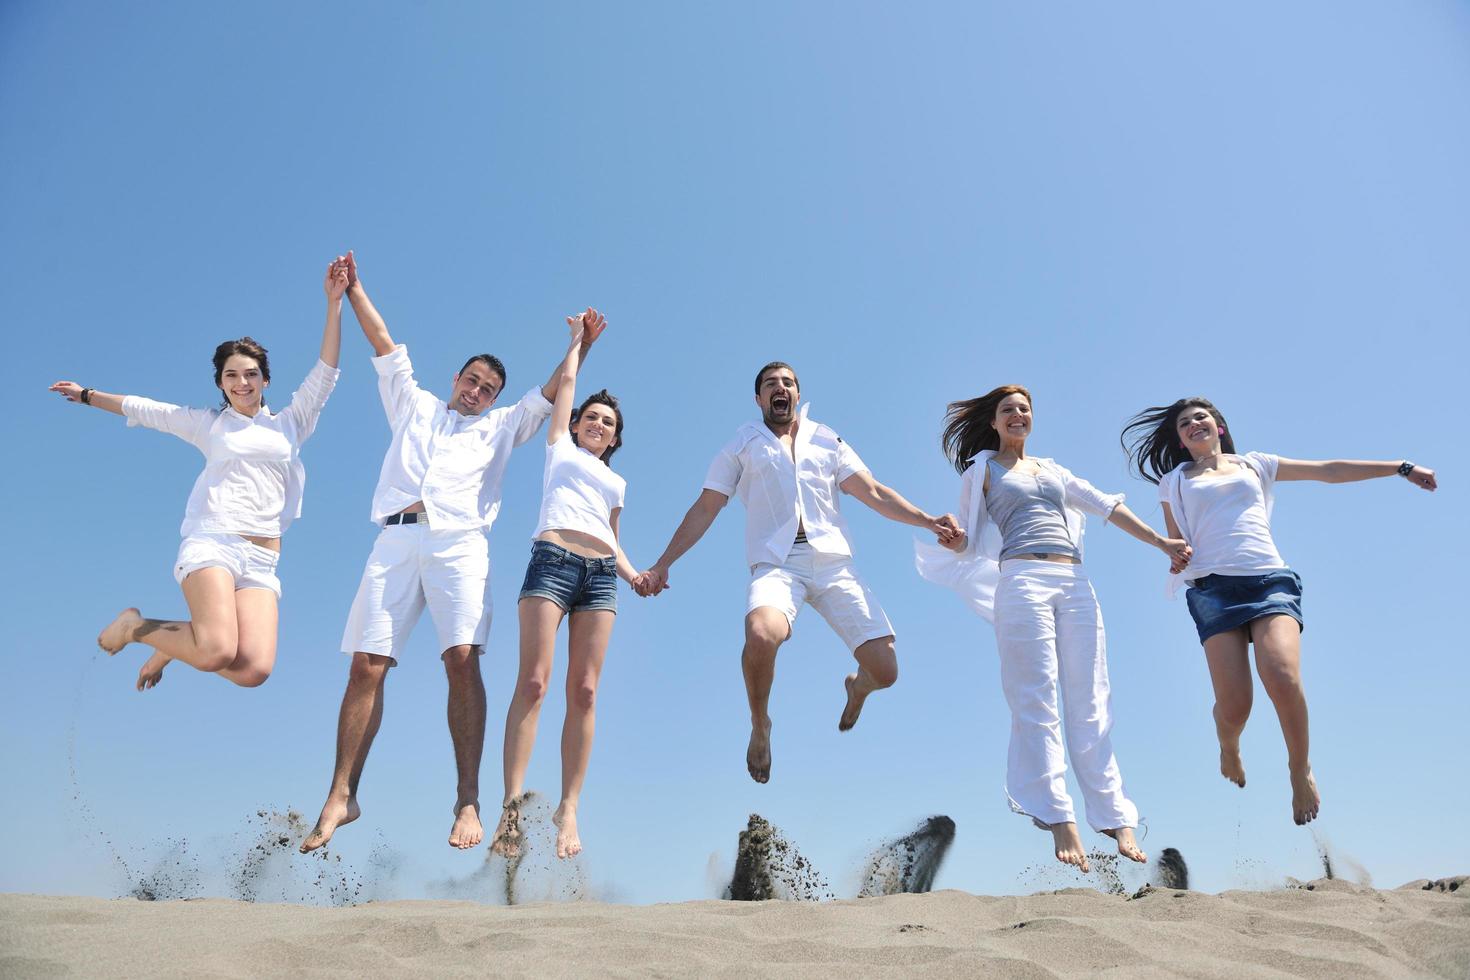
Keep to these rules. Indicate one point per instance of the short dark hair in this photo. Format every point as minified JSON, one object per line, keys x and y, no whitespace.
{"x":249,"y":348}
{"x":774,"y":365}
{"x":602,"y":398}
{"x":492,"y":362}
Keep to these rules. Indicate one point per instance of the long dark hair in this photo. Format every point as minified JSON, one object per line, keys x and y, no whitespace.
{"x":247,"y":347}
{"x":601,"y":398}
{"x":967,"y":425}
{"x":1151,"y":438}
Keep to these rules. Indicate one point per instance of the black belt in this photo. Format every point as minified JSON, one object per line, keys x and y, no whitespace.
{"x":417,"y":517}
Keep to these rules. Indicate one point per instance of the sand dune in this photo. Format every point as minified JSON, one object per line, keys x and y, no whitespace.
{"x":1322,"y":929}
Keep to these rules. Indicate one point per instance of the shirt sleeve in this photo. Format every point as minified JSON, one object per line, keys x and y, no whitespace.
{"x":306,"y":404}
{"x":1085,"y":497}
{"x":396,"y":384}
{"x":525,"y":416}
{"x":724,"y":472}
{"x":848,"y":461}
{"x":189,"y":424}
{"x":1265,"y":464}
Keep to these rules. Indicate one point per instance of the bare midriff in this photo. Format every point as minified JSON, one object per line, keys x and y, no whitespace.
{"x":1057,"y":559}
{"x":269,"y":544}
{"x":577,"y":542}
{"x":417,"y":507}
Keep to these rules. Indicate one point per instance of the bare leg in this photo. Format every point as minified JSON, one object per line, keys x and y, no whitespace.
{"x":1127,"y":844}
{"x":1278,"y":661}
{"x":589,"y":633}
{"x":1230,"y":672}
{"x":540,"y":618}
{"x":208,"y":641}
{"x":255,"y":656}
{"x":766,"y":628}
{"x":467,"y":731}
{"x":1069,"y":845}
{"x":877,"y":669}
{"x":357,"y":724}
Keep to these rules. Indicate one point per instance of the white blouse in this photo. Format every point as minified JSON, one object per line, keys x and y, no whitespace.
{"x":1226,"y":519}
{"x":579,"y":493}
{"x":253,"y":478}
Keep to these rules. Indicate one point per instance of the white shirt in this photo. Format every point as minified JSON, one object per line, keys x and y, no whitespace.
{"x":579,"y":493}
{"x":253,"y":478}
{"x":1225,"y":519}
{"x":975,"y":572}
{"x":454,"y":463}
{"x":780,"y":493}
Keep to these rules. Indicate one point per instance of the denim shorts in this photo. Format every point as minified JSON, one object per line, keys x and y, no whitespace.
{"x":1226,"y":602}
{"x":572,"y":581}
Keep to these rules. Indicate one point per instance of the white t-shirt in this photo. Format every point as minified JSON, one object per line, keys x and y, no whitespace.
{"x":253,"y":478}
{"x":579,"y":493}
{"x":454,"y":463}
{"x":1226,"y":519}
{"x":780,"y":493}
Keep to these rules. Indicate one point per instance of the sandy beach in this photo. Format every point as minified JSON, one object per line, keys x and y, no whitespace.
{"x":1327,"y":928}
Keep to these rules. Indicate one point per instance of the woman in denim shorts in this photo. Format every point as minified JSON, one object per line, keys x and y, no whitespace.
{"x":1241,"y":592}
{"x":575,"y":564}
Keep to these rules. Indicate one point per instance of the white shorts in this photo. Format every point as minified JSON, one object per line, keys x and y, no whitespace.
{"x":411,"y":566}
{"x":830,"y":584}
{"x":252,"y":566}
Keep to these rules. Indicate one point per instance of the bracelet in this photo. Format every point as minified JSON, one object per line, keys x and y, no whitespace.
{"x":86,"y":396}
{"x":1405,"y":468}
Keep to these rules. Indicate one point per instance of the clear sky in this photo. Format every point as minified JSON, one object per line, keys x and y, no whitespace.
{"x":1116,"y":205}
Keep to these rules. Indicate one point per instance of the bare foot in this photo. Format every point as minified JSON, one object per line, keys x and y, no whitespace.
{"x":466,"y":832}
{"x":1069,"y":845}
{"x":1305,"y":802}
{"x":567,"y":841}
{"x":507,"y":839}
{"x":758,"y":754}
{"x":335,"y":813}
{"x":854,"y":707}
{"x":152,"y":671}
{"x":1127,"y":846}
{"x":119,"y":632}
{"x":1230,"y":765}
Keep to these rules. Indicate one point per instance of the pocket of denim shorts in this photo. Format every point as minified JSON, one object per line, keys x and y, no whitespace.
{"x":546,"y":556}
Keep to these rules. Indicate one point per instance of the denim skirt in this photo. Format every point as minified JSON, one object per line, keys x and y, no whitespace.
{"x":572,"y":581}
{"x":1226,"y":602}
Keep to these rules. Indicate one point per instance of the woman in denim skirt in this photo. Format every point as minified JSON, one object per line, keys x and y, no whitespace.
{"x":575,"y":564}
{"x":1240,"y":591}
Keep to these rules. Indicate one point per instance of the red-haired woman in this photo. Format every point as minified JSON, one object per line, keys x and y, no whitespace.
{"x":243,"y":501}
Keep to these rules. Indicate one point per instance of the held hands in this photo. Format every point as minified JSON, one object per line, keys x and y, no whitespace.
{"x":592,"y":325}
{"x":338,"y":278}
{"x":351,"y":269}
{"x":947,"y":530}
{"x":1179,"y":553}
{"x":651,"y":582}
{"x":1423,"y":477}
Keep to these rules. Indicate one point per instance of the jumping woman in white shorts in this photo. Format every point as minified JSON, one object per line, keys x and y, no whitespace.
{"x":1027,"y":515}
{"x":573,"y":572}
{"x":242,"y":503}
{"x":1240,"y":591}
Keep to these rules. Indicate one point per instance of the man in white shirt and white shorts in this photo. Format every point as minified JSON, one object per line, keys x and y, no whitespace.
{"x":787,"y":470}
{"x":438,"y":494}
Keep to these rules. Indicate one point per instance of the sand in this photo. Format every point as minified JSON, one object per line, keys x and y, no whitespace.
{"x":1328,"y":928}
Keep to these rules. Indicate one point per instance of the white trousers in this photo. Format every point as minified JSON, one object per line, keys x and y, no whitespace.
{"x":1049,"y":631}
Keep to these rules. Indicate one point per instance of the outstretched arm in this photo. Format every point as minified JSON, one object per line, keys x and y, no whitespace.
{"x":1353,"y":470}
{"x":335,"y":285}
{"x":892,"y":505}
{"x":74,"y":392}
{"x":698,"y":519}
{"x":1176,"y":547}
{"x":566,"y":384}
{"x":593,"y":324}
{"x":373,"y":327}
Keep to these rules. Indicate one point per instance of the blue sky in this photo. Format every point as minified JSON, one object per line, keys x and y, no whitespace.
{"x":1116,"y":206}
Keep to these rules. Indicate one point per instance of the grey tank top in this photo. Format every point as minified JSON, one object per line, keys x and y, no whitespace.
{"x":1028,"y":512}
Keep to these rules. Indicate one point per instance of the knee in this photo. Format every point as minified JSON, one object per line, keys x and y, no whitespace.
{"x":765,"y":633}
{"x":217,"y":652}
{"x":583,"y":697}
{"x":1280,"y":680}
{"x":884,"y":671}
{"x":368,"y":670}
{"x":1234,"y":712}
{"x":251,"y":677}
{"x":532,"y":691}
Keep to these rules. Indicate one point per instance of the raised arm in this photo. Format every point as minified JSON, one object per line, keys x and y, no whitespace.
{"x":335,"y":285}
{"x":373,"y":327}
{"x":593,"y":324}
{"x":1353,"y":470}
{"x":892,"y":505}
{"x":563,"y":384}
{"x":74,"y":392}
{"x":698,"y":519}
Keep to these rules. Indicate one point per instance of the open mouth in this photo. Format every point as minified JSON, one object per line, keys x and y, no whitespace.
{"x":780,"y":404}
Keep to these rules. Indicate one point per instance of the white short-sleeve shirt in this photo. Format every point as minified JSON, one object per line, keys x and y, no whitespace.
{"x":1226,"y":519}
{"x":781,"y":494}
{"x":579,"y":493}
{"x":253,"y":478}
{"x":454,"y":463}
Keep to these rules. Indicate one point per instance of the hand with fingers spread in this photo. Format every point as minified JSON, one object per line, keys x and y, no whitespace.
{"x":593,"y":324}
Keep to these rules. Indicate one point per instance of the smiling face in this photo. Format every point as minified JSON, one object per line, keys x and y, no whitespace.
{"x":778,"y":394}
{"x":475,"y":389}
{"x":1198,"y":430}
{"x":1013,"y":418}
{"x":596,"y":428}
{"x":243,"y":383}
